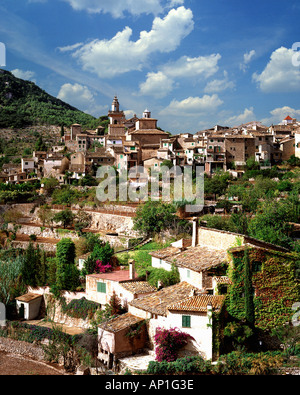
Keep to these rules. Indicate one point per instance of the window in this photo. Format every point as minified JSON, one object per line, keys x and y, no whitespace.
{"x":101,"y":287}
{"x":188,"y":273}
{"x":186,"y":321}
{"x":256,"y":266}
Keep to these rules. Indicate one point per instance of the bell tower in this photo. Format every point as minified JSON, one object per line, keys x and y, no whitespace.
{"x":115,"y":107}
{"x":116,"y":119}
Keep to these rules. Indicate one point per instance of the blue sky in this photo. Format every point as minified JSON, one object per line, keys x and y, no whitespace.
{"x":192,"y":63}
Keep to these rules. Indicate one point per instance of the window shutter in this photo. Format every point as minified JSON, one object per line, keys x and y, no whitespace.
{"x":186,"y":321}
{"x":101,"y":287}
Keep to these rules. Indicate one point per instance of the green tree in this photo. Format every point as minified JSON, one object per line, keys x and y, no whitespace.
{"x":11,"y":284}
{"x":30,"y":266}
{"x":45,"y":215}
{"x":67,"y":274}
{"x":272,"y":222}
{"x":252,"y":164}
{"x":153,"y":217}
{"x":82,"y":220}
{"x":102,"y":252}
{"x":218,"y":184}
{"x":40,"y":145}
{"x":50,"y":184}
{"x":66,"y":217}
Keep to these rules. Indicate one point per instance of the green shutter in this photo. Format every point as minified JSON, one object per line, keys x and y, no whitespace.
{"x":186,"y":321}
{"x":101,"y":287}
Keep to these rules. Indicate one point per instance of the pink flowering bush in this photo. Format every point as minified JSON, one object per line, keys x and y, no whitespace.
{"x":101,"y":268}
{"x":168,"y":343}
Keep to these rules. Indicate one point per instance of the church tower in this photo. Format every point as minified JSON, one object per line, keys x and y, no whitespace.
{"x":116,"y":119}
{"x":115,"y":107}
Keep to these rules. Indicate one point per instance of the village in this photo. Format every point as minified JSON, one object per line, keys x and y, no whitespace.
{"x":139,"y":141}
{"x":208,"y":292}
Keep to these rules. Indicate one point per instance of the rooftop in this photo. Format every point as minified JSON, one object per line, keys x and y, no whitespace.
{"x":199,"y":303}
{"x":158,"y":302}
{"x":195,"y":258}
{"x":138,"y":287}
{"x":121,"y":322}
{"x":28,"y":297}
{"x":116,"y":275}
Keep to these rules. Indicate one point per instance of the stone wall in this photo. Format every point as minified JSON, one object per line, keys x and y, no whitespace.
{"x":22,"y":348}
{"x":54,"y":311}
{"x":218,"y":239}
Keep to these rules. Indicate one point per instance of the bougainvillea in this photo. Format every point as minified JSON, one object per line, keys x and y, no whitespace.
{"x":168,"y":343}
{"x":102,"y":268}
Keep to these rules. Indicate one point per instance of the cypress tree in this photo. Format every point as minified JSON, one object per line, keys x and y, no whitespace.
{"x":67,"y":274}
{"x":248,"y":289}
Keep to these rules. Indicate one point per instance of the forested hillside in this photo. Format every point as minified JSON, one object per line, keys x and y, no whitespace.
{"x":23,"y":103}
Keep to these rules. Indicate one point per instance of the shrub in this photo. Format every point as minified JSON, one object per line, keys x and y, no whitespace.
{"x":80,"y":308}
{"x":168,"y":343}
{"x":241,"y":363}
{"x":187,"y":365}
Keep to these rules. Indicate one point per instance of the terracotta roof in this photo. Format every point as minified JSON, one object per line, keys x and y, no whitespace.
{"x":165,"y":252}
{"x":195,"y":258}
{"x":138,"y":287}
{"x":199,"y":303}
{"x":116,"y":275}
{"x":28,"y":297}
{"x":121,"y":322}
{"x":158,"y":302}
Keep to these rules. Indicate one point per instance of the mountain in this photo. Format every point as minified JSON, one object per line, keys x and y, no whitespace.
{"x":23,"y":103}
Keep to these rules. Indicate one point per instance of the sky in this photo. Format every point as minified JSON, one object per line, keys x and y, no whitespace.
{"x":193,"y":63}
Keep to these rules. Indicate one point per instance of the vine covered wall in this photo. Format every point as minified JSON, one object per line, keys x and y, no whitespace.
{"x":274,"y":282}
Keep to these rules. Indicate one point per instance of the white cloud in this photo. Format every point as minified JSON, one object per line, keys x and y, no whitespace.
{"x":174,"y":3}
{"x":248,"y":56}
{"x":24,"y":75}
{"x":117,"y":7}
{"x":236,"y":120}
{"x":193,"y":106}
{"x":280,"y":75}
{"x":278,"y":115}
{"x":161,"y":83}
{"x":219,"y":85}
{"x":191,"y":67}
{"x":118,"y":55}
{"x":157,"y":85}
{"x":81,"y":97}
{"x":68,"y":48}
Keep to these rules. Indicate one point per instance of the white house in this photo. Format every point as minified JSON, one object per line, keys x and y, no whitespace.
{"x":184,"y":307}
{"x":28,"y":305}
{"x":194,"y":263}
{"x":27,"y":165}
{"x":121,"y":283}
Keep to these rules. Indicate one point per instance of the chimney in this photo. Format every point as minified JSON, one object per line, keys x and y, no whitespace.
{"x":131,"y":269}
{"x":194,"y":237}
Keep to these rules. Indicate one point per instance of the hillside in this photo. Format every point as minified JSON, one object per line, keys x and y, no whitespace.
{"x":23,"y":103}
